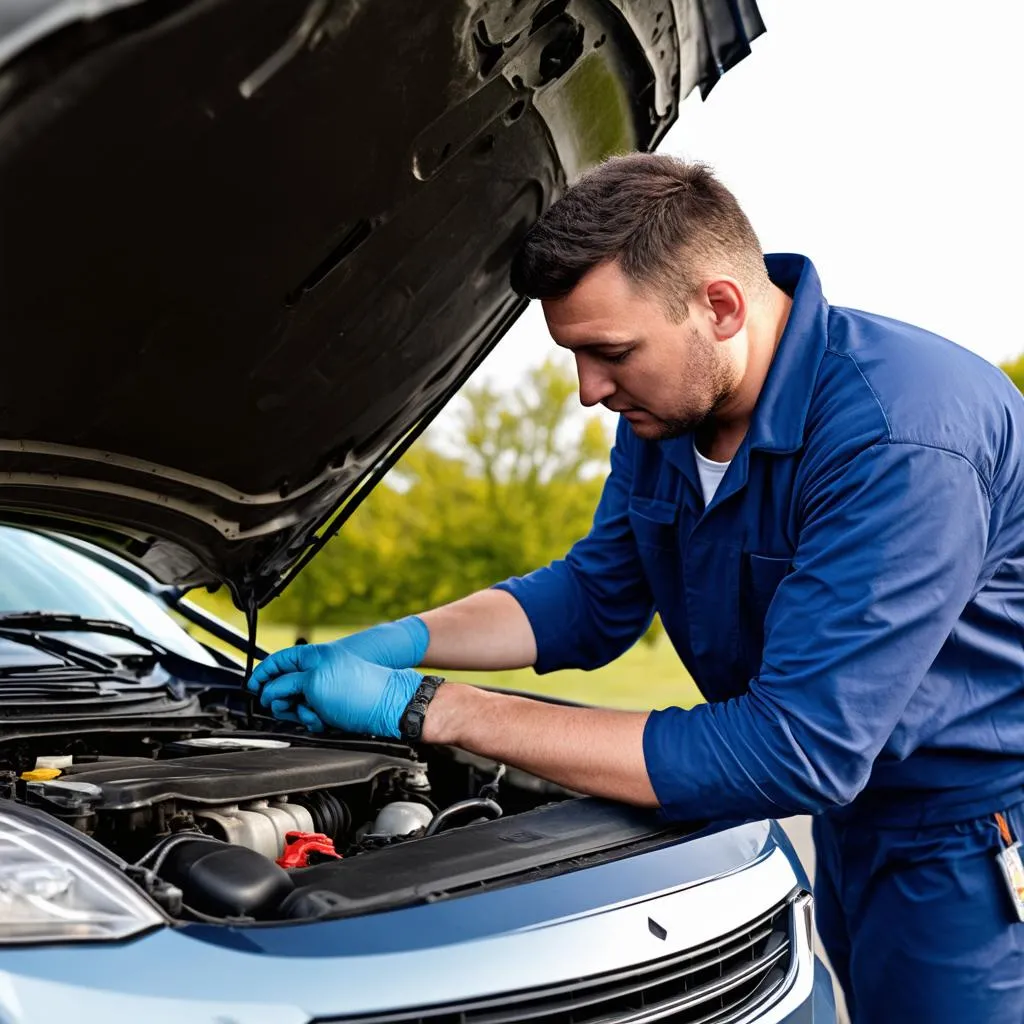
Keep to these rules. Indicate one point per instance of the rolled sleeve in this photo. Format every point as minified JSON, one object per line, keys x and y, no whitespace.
{"x":890,"y":551}
{"x":588,"y":608}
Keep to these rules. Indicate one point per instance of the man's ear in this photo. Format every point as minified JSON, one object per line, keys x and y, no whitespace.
{"x":727,"y":306}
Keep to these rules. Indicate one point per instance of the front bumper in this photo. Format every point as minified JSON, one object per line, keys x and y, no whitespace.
{"x":524,"y":937}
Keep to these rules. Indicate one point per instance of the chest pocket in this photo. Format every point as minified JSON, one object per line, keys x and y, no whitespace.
{"x":654,"y":523}
{"x":760,"y":577}
{"x":764,"y":574}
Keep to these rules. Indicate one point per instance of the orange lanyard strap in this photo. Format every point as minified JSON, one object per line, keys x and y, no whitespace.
{"x":1004,"y":829}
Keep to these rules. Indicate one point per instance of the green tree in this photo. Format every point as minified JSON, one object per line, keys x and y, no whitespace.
{"x":1014,"y":369}
{"x":511,"y":491}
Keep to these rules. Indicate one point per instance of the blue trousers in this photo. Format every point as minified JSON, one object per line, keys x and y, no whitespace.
{"x":917,"y":922}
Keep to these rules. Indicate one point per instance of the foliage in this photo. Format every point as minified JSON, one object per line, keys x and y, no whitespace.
{"x":510,"y":492}
{"x":1015,"y":371}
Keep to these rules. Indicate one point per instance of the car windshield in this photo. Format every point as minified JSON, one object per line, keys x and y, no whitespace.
{"x":40,"y":574}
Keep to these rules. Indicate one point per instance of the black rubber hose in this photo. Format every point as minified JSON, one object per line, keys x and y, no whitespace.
{"x":478,"y":803}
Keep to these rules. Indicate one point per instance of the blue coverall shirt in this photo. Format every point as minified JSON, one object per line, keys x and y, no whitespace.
{"x":851,"y":603}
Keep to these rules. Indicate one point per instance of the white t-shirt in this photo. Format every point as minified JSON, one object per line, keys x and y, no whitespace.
{"x":710,"y":474}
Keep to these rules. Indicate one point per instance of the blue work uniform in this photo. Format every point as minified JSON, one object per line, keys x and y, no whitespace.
{"x":851,"y":605}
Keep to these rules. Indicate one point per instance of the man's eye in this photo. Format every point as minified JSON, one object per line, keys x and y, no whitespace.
{"x":620,"y":357}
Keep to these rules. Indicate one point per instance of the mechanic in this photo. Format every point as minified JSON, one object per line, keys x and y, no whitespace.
{"x":826,"y":508}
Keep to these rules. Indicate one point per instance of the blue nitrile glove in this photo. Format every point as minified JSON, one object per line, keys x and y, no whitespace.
{"x":400,"y":644}
{"x":340,"y":689}
{"x":290,"y":711}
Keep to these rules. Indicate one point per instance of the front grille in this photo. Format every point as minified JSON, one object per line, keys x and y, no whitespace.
{"x":713,"y":984}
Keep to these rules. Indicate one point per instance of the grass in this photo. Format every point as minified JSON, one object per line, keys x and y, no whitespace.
{"x":647,"y":676}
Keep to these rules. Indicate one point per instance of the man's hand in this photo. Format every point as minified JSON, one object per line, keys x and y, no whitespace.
{"x":589,"y":750}
{"x":326,"y":684}
{"x":400,"y":644}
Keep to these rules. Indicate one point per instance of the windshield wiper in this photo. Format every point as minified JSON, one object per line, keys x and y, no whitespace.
{"x":63,"y":622}
{"x":72,"y":656}
{"x":32,"y":627}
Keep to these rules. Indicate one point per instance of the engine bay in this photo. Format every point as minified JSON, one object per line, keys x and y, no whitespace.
{"x":246,"y":826}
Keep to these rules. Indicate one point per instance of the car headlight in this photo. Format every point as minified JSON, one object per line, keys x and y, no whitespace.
{"x":53,"y":891}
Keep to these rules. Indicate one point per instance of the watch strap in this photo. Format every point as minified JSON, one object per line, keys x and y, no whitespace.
{"x":410,"y":725}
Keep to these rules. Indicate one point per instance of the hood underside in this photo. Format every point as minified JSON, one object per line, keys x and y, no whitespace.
{"x":248,"y":248}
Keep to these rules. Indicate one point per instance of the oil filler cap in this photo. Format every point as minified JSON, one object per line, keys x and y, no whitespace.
{"x":305,"y":848}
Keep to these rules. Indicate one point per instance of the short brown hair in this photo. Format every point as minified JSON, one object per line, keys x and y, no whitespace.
{"x":664,"y":220}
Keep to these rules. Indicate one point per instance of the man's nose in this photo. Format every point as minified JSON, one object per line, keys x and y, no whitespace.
{"x":595,"y":386}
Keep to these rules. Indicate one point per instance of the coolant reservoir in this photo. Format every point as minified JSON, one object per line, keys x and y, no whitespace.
{"x":401,"y":817}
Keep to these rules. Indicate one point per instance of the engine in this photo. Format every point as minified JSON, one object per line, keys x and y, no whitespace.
{"x":246,"y":792}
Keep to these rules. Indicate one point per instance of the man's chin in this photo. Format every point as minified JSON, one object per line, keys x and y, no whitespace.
{"x":649,"y":428}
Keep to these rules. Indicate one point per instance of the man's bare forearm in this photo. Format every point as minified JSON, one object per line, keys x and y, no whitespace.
{"x":589,"y":750}
{"x":486,"y":631}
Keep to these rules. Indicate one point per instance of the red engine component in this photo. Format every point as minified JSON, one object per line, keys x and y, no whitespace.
{"x":303,"y":848}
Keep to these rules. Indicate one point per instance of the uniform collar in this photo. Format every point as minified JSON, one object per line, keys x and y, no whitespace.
{"x":781,"y":410}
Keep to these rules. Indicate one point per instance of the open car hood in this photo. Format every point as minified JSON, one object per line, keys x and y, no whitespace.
{"x":249,"y":248}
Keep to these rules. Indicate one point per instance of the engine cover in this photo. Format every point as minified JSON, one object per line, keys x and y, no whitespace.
{"x":231,"y":778}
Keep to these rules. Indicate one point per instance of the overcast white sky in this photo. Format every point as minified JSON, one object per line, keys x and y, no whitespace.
{"x":882,"y":138}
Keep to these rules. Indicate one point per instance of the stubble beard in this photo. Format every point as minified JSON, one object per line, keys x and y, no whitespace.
{"x":720,"y":381}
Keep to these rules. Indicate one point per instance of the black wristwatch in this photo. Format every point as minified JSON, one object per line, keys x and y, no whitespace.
{"x":410,"y":725}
